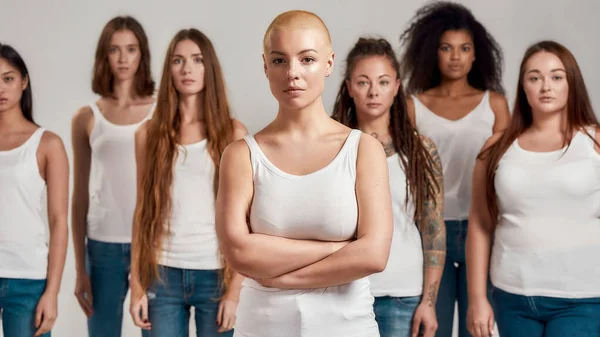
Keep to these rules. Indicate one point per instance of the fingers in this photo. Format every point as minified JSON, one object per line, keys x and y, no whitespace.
{"x":416,"y":325}
{"x":220,"y":314}
{"x":47,"y":322}
{"x":228,"y":320}
{"x":139,"y":313}
{"x":491,"y":325}
{"x":85,"y":303}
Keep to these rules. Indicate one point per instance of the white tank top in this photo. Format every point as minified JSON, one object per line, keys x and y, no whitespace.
{"x":23,"y":229}
{"x":548,"y":240}
{"x":458,"y":143}
{"x":112,"y":179}
{"x":191,"y":242}
{"x":317,"y":206}
{"x":403,"y":275}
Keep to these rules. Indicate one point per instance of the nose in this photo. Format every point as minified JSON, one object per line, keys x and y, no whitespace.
{"x":546,"y":85}
{"x":186,"y":69}
{"x":292,"y":71}
{"x":373,"y":91}
{"x":122,"y":57}
{"x":454,"y":54}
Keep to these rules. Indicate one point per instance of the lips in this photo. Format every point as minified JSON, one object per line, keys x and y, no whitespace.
{"x":186,"y":82}
{"x":293,"y":89}
{"x":3,"y":100}
{"x":373,"y":105}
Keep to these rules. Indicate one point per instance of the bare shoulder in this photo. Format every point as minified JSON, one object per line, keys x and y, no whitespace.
{"x":83,"y":118}
{"x":498,"y":101}
{"x":51,"y":143}
{"x":239,"y":129}
{"x":236,"y":155}
{"x":370,"y":148}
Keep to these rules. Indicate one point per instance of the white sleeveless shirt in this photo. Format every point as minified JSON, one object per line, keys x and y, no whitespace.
{"x":191,"y":242}
{"x":23,"y":229}
{"x":458,"y":143}
{"x":403,"y":275}
{"x":112,"y":179}
{"x":548,"y":239}
{"x":318,"y":206}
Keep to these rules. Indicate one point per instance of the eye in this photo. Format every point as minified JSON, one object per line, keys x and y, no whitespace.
{"x":384,"y":83}
{"x":533,"y":78}
{"x":9,"y":79}
{"x":132,"y":49}
{"x":198,"y":60}
{"x":557,"y":77}
{"x":362,"y":83}
{"x":177,"y":61}
{"x":278,"y":61}
{"x":308,"y":60}
{"x":466,"y":48}
{"x":445,"y":48}
{"x":112,"y":50}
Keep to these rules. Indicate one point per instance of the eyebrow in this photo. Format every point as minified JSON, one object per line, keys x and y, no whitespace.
{"x":462,"y":44}
{"x":126,"y":45}
{"x":380,"y":76}
{"x":193,"y":55}
{"x":553,"y":70}
{"x":8,"y":72}
{"x":301,"y":52}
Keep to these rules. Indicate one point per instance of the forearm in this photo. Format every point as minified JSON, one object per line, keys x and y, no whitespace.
{"x":79,"y":229}
{"x":266,"y":256}
{"x":356,"y":260}
{"x":431,"y":285}
{"x":478,"y":250}
{"x":59,"y":236}
{"x":235,"y":286}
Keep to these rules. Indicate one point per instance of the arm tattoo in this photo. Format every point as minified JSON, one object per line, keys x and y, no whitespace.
{"x":432,"y":227}
{"x":432,"y":294}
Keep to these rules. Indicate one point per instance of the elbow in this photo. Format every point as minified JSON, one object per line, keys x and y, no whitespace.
{"x":377,"y":261}
{"x":234,"y":256}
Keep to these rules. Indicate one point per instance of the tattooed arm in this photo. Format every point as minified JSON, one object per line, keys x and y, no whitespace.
{"x":433,"y":235}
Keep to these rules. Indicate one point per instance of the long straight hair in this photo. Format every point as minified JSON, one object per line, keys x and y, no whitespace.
{"x":12,"y":56}
{"x":154,"y":204}
{"x":579,"y":113}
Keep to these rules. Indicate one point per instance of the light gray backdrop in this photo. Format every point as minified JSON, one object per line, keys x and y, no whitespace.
{"x":57,"y":39}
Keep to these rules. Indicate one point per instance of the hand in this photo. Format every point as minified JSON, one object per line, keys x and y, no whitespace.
{"x":138,"y":309}
{"x":480,"y":318}
{"x":425,"y":317}
{"x":46,"y":313}
{"x":269,"y":282}
{"x":227,"y":312}
{"x":83,"y":292}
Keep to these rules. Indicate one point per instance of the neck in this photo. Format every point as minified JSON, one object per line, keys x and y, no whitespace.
{"x":306,"y":121}
{"x":452,"y":88}
{"x":190,"y":108}
{"x":123,"y":91}
{"x":379,"y":125}
{"x":11,"y":118}
{"x":550,"y":122}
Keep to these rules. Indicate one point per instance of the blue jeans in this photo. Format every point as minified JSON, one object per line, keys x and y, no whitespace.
{"x":18,"y":301}
{"x":108,"y":267}
{"x":538,"y":316}
{"x":170,"y":300}
{"x":453,"y":286}
{"x":394,"y":315}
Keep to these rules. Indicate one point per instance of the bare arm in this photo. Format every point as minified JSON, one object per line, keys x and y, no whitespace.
{"x":369,"y":253}
{"x":251,"y":254}
{"x":57,"y":181}
{"x":80,"y":127}
{"x":433,"y":231}
{"x":501,"y":112}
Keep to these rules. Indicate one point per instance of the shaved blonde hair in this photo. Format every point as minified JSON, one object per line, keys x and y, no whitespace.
{"x":296,"y":19}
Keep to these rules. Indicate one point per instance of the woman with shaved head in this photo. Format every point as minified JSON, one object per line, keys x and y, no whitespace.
{"x":316,"y":196}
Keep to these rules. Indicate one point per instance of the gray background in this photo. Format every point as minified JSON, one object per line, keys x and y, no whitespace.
{"x":58,"y":41}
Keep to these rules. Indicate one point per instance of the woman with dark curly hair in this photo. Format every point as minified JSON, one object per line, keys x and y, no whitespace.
{"x":453,"y":68}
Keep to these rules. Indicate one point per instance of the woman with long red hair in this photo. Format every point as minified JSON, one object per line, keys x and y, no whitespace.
{"x":176,"y":262}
